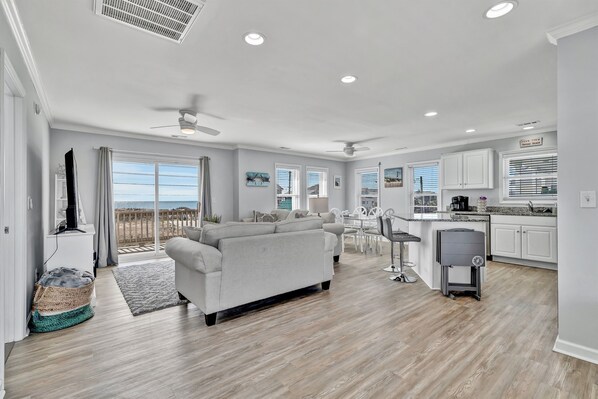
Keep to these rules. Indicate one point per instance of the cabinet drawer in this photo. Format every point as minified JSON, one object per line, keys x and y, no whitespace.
{"x":547,"y":221}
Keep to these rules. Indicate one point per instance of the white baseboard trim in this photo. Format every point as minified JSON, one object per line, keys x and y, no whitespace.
{"x":576,"y":350}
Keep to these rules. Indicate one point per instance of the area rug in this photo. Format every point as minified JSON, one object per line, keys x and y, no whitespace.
{"x":148,"y":287}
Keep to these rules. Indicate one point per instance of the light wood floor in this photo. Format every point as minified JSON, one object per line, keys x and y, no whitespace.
{"x":367,"y":337}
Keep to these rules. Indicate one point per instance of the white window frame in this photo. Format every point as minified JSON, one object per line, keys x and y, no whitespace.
{"x":156,"y":159}
{"x":323,"y":183}
{"x":504,"y":158}
{"x":411,"y":187}
{"x":358,"y":173}
{"x":298,"y":183}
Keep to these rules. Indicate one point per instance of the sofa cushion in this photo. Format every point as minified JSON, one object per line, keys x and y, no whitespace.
{"x":327,"y":217}
{"x":213,"y":233}
{"x":301,"y":224}
{"x":297,"y":214}
{"x":281,"y":214}
{"x":192,"y":233}
{"x":264,"y":217}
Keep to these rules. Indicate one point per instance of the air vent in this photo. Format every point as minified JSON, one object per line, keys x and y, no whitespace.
{"x":170,"y":19}
{"x":179,"y":136}
{"x":528,"y":124}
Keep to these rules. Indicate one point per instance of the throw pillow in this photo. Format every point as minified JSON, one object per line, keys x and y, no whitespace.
{"x":297,"y":214}
{"x":192,"y":233}
{"x":263,"y":217}
{"x":328,"y":217}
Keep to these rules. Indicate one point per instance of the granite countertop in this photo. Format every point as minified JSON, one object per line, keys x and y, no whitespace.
{"x":504,"y":212}
{"x":438,"y":217}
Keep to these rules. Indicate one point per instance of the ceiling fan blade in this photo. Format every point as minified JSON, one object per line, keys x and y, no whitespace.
{"x":362,"y":149}
{"x":207,"y":130}
{"x":335,"y":151}
{"x":160,"y":127}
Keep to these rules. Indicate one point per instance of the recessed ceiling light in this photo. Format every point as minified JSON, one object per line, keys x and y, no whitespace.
{"x":348,"y":79}
{"x":470,"y":131}
{"x":254,"y":38}
{"x":431,"y":113}
{"x":528,"y":128}
{"x":501,"y":9}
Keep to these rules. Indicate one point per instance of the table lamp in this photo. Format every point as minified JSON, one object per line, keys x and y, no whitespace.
{"x":318,"y":205}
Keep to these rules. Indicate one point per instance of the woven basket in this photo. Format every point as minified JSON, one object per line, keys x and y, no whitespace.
{"x":60,"y":299}
{"x":40,"y":324}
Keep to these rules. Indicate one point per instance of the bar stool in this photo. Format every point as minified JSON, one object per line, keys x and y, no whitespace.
{"x":400,"y":237}
{"x":392,"y":269}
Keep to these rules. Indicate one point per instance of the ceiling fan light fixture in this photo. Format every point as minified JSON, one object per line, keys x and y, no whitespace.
{"x":430,"y":114}
{"x":254,"y":38}
{"x":470,"y":131}
{"x":187,"y":130}
{"x":501,"y":9}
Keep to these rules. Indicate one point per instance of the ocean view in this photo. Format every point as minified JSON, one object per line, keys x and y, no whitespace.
{"x":150,"y":204}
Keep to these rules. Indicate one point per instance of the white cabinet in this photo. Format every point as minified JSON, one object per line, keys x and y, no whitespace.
{"x":506,"y":240}
{"x":468,"y":170}
{"x":60,"y":199}
{"x":531,"y":238}
{"x":71,"y":249}
{"x":539,"y":243}
{"x":452,"y":171}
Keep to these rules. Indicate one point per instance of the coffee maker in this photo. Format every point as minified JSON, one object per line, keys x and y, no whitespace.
{"x":460,"y":203}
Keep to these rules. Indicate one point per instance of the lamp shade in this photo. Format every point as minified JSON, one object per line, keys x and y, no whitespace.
{"x":318,"y":205}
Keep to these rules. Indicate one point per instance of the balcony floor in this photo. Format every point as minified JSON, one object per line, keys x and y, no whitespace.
{"x":139,"y":249}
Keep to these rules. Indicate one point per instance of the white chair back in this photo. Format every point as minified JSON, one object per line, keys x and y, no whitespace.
{"x":375,"y":211}
{"x":337,"y":215}
{"x":389,"y":212}
{"x":360,"y":210}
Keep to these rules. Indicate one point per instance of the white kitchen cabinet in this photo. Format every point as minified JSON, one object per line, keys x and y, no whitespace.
{"x":452,"y":171}
{"x":506,"y":240}
{"x":524,"y":238}
{"x":468,"y":170}
{"x":539,"y":243}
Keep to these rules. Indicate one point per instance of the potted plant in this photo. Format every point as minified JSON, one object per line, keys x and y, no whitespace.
{"x":212,"y":219}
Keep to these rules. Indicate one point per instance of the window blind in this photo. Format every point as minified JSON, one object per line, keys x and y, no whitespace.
{"x":533,"y":176}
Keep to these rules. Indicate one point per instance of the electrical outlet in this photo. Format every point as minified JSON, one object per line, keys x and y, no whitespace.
{"x":587,"y":199}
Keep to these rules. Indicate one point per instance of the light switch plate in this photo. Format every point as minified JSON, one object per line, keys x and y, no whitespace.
{"x":587,"y":199}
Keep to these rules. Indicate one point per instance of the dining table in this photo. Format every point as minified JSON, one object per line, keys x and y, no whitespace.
{"x":359,"y":222}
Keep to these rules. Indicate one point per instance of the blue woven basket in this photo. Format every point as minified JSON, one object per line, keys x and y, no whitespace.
{"x":59,"y":321}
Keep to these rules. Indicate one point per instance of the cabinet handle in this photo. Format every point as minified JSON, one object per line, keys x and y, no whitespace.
{"x":517,"y":231}
{"x":524,"y":231}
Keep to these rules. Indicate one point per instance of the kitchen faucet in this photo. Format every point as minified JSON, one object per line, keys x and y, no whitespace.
{"x":530,"y":205}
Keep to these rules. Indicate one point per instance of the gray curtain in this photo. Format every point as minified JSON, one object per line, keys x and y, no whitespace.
{"x":106,"y":246}
{"x":205,"y":189}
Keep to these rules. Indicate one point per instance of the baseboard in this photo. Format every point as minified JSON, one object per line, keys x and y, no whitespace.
{"x":525,"y":262}
{"x":2,"y":392}
{"x":576,"y":350}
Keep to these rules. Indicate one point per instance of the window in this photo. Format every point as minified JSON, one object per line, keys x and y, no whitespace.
{"x":287,"y":187}
{"x":317,"y":182}
{"x":367,"y":188}
{"x":425,"y":190}
{"x":530,"y":176}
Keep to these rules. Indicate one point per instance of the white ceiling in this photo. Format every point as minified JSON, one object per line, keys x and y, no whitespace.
{"x":410,"y":57}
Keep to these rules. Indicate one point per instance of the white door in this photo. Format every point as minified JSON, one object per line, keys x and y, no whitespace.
{"x":475,"y":169}
{"x":506,"y":240}
{"x":452,"y":171}
{"x":539,"y":243}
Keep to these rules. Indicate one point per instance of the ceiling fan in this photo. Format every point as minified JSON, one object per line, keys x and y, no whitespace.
{"x":350,"y":148}
{"x":188,"y":124}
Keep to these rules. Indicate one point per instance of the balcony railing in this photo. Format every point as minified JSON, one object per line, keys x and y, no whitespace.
{"x":136,"y":228}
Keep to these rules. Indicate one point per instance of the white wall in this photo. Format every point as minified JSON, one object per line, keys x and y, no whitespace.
{"x":263,"y":198}
{"x":37,"y":160}
{"x":578,"y":234}
{"x":221,"y":165}
{"x":398,"y":198}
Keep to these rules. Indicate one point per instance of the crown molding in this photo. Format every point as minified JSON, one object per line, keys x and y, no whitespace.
{"x":138,"y":136}
{"x":18,"y":30}
{"x":456,"y":143}
{"x":288,"y":152}
{"x":570,"y":28}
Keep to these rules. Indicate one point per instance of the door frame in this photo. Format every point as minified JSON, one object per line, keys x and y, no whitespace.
{"x":14,"y":276}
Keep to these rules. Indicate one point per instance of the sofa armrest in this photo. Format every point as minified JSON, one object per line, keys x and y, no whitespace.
{"x":194,"y":255}
{"x":334,"y":228}
{"x":330,"y":241}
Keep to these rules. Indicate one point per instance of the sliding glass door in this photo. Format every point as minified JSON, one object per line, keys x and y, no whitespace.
{"x":144,"y":224}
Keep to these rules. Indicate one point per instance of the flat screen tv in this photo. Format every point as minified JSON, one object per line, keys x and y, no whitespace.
{"x":72,"y":210}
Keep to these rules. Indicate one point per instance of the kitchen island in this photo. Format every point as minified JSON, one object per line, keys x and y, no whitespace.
{"x":423,"y":254}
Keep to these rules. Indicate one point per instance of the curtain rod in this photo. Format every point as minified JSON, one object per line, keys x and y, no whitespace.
{"x":152,"y":154}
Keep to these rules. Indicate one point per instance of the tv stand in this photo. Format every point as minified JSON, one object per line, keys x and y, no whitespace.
{"x":71,"y":248}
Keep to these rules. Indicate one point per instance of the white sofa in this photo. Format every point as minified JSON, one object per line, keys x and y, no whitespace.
{"x":328,"y":219}
{"x":238,"y":263}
